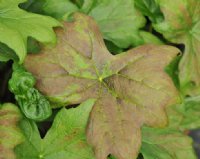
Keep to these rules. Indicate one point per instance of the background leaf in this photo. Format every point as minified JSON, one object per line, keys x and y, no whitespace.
{"x":59,"y":8}
{"x":166,"y":144}
{"x":7,"y":53}
{"x":188,"y":114}
{"x":151,"y":9}
{"x":181,"y":26}
{"x":118,"y":21}
{"x":120,"y":29}
{"x":19,"y":25}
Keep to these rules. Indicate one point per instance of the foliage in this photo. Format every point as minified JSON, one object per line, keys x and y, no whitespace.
{"x":73,"y":74}
{"x":65,"y":139}
{"x":166,"y":144}
{"x":10,"y":133}
{"x":33,"y":104}
{"x":181,"y":25}
{"x":19,"y":24}
{"x":117,"y":79}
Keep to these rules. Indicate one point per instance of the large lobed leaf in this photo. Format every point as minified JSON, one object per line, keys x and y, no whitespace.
{"x":131,"y":89}
{"x":16,"y":25}
{"x":181,"y":25}
{"x":10,"y":134}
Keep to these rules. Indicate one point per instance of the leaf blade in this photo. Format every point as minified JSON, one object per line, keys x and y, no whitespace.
{"x":10,"y":133}
{"x":19,"y":24}
{"x":66,"y":136}
{"x":104,"y":82}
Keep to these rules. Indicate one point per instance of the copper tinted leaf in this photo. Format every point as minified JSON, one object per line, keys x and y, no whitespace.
{"x":131,"y":89}
{"x":10,"y":134}
{"x":181,"y":25}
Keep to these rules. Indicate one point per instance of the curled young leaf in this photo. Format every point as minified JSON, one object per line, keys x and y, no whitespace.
{"x":33,"y":104}
{"x":21,"y":80}
{"x":131,"y":89}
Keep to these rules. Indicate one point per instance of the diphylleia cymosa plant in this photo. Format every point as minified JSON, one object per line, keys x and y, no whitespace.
{"x":109,"y":75}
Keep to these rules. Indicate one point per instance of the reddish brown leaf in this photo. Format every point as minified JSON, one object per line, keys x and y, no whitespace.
{"x":131,"y":89}
{"x":10,"y":135}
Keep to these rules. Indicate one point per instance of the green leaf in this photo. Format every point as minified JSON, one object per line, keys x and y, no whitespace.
{"x":111,"y":157}
{"x":120,"y":29}
{"x":189,"y":112}
{"x":33,"y":46}
{"x":87,"y":5}
{"x":79,"y":3}
{"x":151,"y":9}
{"x":131,"y":89}
{"x":10,"y":134}
{"x":181,"y":25}
{"x":185,"y":116}
{"x":65,"y":139}
{"x":112,"y":47}
{"x":166,"y":144}
{"x":16,"y":25}
{"x":59,"y":8}
{"x":172,"y":70}
{"x":34,"y":6}
{"x":32,"y":103}
{"x":7,"y":53}
{"x":149,"y":38}
{"x":119,"y":22}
